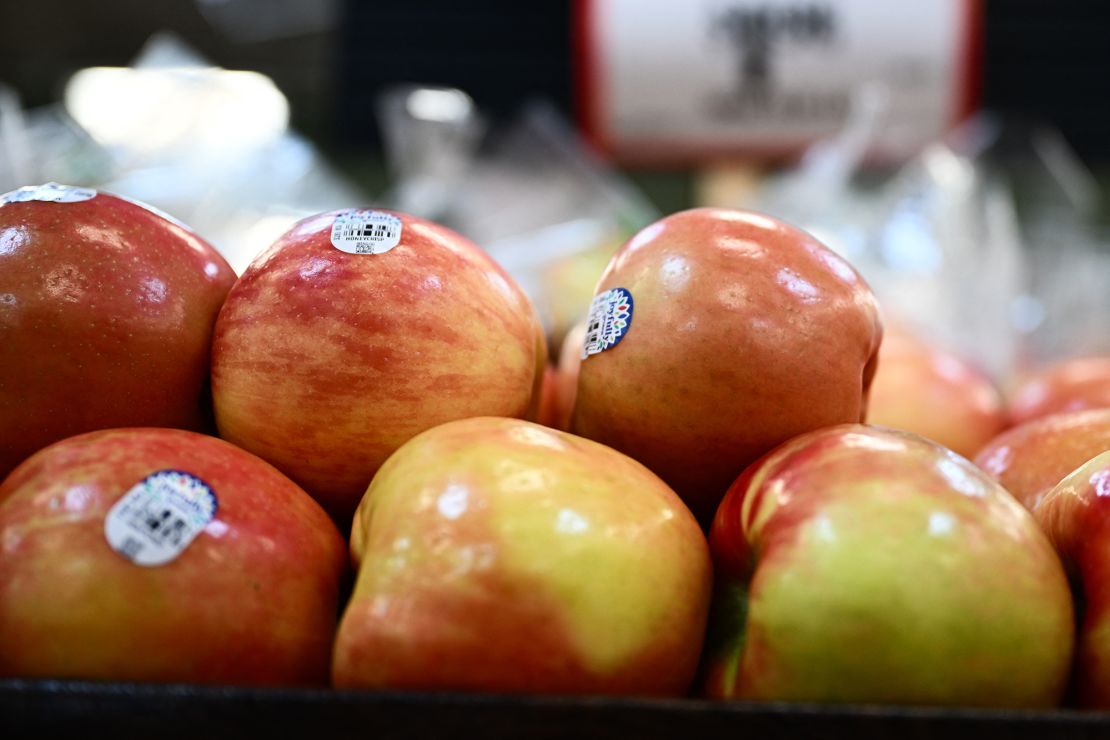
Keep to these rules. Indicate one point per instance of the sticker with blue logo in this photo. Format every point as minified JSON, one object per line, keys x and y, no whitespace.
{"x":159,"y":517}
{"x":609,"y":320}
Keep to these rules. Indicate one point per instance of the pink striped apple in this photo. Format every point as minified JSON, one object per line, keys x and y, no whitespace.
{"x":500,"y":555}
{"x":106,"y":315}
{"x":326,"y":358}
{"x":164,"y":555}
{"x":858,"y":564}
{"x":1076,"y":517}
{"x":744,"y":332}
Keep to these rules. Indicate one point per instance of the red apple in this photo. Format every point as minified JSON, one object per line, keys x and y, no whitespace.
{"x":1030,"y":459}
{"x":1072,"y":385}
{"x":744,"y":332}
{"x":1076,"y":517}
{"x":924,"y":389}
{"x":561,"y":381}
{"x":865,"y":565}
{"x":93,"y":587}
{"x":326,"y":361}
{"x":500,"y":555}
{"x":106,"y":315}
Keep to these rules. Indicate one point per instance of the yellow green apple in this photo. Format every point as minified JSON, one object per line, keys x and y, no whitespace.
{"x":866,"y":565}
{"x":500,"y":555}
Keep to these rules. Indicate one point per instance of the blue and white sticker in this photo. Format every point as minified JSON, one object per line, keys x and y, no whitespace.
{"x":365,"y":232}
{"x":159,"y":517}
{"x":51,"y":192}
{"x":609,"y":320}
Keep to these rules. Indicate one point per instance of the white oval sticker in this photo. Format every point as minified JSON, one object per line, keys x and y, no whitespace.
{"x":51,"y":192}
{"x":159,"y":517}
{"x":365,"y":232}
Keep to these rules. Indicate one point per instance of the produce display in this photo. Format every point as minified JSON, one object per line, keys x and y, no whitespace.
{"x":359,"y":465}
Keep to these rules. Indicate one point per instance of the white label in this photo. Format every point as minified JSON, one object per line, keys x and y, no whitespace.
{"x":711,"y":76}
{"x":609,"y":320}
{"x":157,"y":519}
{"x":366,"y":232}
{"x":51,"y":192}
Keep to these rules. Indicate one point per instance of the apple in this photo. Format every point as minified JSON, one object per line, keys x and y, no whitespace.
{"x":561,"y":381}
{"x":744,"y":332}
{"x":106,"y":315}
{"x":164,"y":555}
{"x":1030,"y":459}
{"x":866,"y":565}
{"x":1076,"y":517}
{"x":500,"y":555}
{"x":326,"y":359}
{"x":924,"y":389}
{"x":1070,"y":385}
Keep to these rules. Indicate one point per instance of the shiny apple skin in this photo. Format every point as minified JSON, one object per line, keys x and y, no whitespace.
{"x":325,"y":362}
{"x":106,"y":316}
{"x":745,"y":332}
{"x":1077,"y":384}
{"x":927,"y":390}
{"x":503,"y":556}
{"x":858,"y":564}
{"x":1076,"y":517}
{"x":1031,"y":459}
{"x":252,"y":600}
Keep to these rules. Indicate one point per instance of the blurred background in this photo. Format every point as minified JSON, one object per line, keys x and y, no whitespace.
{"x":956,"y":151}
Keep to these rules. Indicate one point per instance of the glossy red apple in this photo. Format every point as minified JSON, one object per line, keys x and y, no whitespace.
{"x":95,"y":588}
{"x":499,"y":555}
{"x":744,"y":332}
{"x":1030,"y":459}
{"x":106,"y":315}
{"x":927,"y":390}
{"x":326,"y":361}
{"x":1071,"y":385}
{"x":865,"y":565}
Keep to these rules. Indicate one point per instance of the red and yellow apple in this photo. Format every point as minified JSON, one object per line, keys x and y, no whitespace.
{"x":1071,"y":385}
{"x":500,"y":555}
{"x":1031,"y":459}
{"x":325,"y":361}
{"x":744,"y":333}
{"x":106,"y":315}
{"x":858,"y":564}
{"x":924,"y":389}
{"x":251,"y":600}
{"x":1076,"y":517}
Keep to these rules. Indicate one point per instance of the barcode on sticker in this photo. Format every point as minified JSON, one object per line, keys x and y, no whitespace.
{"x":609,"y":320}
{"x":366,"y":232}
{"x":159,"y":517}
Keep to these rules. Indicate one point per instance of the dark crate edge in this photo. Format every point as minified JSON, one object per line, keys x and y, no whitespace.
{"x":101,"y":709}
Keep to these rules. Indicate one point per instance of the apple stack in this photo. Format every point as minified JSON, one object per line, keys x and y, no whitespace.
{"x":705,"y":511}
